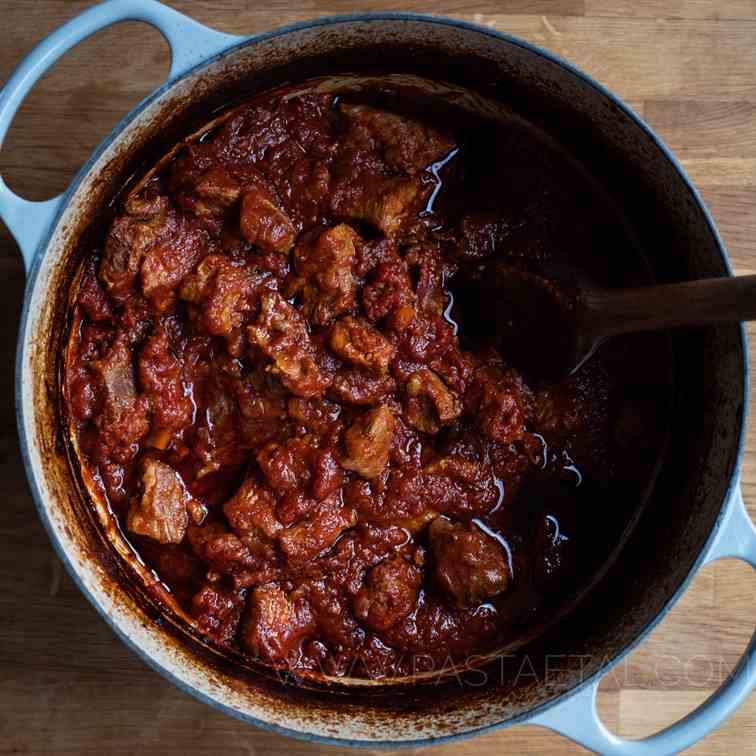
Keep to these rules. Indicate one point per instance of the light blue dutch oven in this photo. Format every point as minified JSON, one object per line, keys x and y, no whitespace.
{"x":694,"y":513}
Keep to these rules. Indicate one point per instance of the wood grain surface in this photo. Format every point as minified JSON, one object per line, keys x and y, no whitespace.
{"x":66,"y":684}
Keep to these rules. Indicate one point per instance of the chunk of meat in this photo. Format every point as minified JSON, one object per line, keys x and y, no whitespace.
{"x":213,"y":192}
{"x":430,"y":403}
{"x":460,"y":486}
{"x":275,"y":623}
{"x":144,"y":223}
{"x":361,"y":388}
{"x":356,"y":552}
{"x":310,"y":537}
{"x":161,"y":377}
{"x":281,"y":333}
{"x":217,"y":443}
{"x":197,"y":287}
{"x":169,"y":261}
{"x":456,"y":367}
{"x":389,"y":295}
{"x":123,"y":421}
{"x":389,"y":505}
{"x":336,"y":625}
{"x":297,"y":466}
{"x":424,"y":338}
{"x":325,"y":264}
{"x":264,"y":223}
{"x":309,"y":180}
{"x":452,"y":484}
{"x":117,"y":373}
{"x":225,"y":291}
{"x":429,"y":272}
{"x":504,"y":406}
{"x":262,"y":408}
{"x":441,"y":631}
{"x":294,"y":506}
{"x":218,"y":611}
{"x":316,"y":415}
{"x":327,"y":475}
{"x":251,"y":512}
{"x":358,"y":342}
{"x":84,"y":394}
{"x":406,"y":144}
{"x":220,"y":549}
{"x":136,"y":319}
{"x":469,"y":565}
{"x":370,"y":253}
{"x":407,"y":449}
{"x":368,"y":442}
{"x":286,"y":466}
{"x":389,"y":594}
{"x":383,"y":202}
{"x":512,"y":463}
{"x":176,"y":565}
{"x":92,"y":297}
{"x":161,"y":513}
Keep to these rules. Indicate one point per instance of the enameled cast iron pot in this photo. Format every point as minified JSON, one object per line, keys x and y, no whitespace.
{"x":694,"y":514}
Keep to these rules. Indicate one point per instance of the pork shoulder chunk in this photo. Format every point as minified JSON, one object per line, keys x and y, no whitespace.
{"x":264,"y":223}
{"x":275,"y":623}
{"x":281,"y":333}
{"x":161,"y":513}
{"x":325,"y":264}
{"x":470,"y":566}
{"x":389,"y":593}
{"x":368,"y":442}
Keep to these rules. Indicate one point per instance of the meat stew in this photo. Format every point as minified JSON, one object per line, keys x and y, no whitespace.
{"x":272,"y":380}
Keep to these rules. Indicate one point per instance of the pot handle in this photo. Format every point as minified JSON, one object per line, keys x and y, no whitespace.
{"x":191,"y":43}
{"x":578,"y":719}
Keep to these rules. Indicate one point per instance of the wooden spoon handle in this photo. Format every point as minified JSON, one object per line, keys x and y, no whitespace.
{"x":713,"y":300}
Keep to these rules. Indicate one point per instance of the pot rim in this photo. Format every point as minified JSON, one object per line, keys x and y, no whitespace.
{"x":115,"y":133}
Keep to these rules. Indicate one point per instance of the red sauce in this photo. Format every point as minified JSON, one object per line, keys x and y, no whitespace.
{"x":298,"y":429}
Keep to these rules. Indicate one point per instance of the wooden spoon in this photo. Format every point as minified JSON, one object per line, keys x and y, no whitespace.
{"x":551,"y":324}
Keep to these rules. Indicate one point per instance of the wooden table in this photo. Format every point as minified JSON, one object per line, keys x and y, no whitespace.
{"x":66,"y":684}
